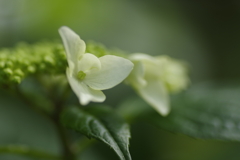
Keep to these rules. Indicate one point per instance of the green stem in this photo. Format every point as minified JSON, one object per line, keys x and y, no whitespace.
{"x":82,"y":144}
{"x":27,"y":151}
{"x":67,"y":151}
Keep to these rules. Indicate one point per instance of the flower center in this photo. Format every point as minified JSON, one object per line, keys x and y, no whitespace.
{"x":81,"y":75}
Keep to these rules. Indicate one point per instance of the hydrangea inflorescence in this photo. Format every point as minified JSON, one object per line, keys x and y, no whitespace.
{"x":153,"y":78}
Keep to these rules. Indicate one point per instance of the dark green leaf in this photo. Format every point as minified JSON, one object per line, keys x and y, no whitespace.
{"x":207,"y":111}
{"x":204,"y":112}
{"x":133,"y":108}
{"x":100,"y":123}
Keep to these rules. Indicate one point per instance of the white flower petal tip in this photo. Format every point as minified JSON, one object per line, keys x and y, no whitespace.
{"x":74,"y":46}
{"x":88,"y":74}
{"x":155,"y":94}
{"x":155,"y":77}
{"x":162,"y":109}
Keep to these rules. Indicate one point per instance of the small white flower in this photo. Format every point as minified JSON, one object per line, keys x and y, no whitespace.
{"x":88,"y":74}
{"x":154,"y":77}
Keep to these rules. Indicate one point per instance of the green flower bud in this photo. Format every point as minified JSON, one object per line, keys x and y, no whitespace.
{"x":2,"y":64}
{"x":19,"y":72}
{"x":49,"y":60}
{"x":16,"y":79}
{"x":31,"y":69}
{"x":8,"y":71}
{"x":9,"y":63}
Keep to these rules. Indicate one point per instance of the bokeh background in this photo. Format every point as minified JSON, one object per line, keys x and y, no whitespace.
{"x":204,"y":33}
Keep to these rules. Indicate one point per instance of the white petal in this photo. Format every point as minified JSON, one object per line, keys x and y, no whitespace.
{"x":113,"y":71}
{"x":88,"y":62}
{"x":74,"y":46}
{"x":91,"y":95}
{"x":156,"y":95}
{"x":83,"y":92}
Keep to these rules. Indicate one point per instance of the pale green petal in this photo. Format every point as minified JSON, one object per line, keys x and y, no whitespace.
{"x":156,"y":95}
{"x":152,"y":66}
{"x":153,"y":69}
{"x":71,"y":66}
{"x":140,"y":56}
{"x":175,"y":73}
{"x":83,"y":92}
{"x":136,"y":77}
{"x":88,"y":62}
{"x":113,"y":71}
{"x":74,"y":46}
{"x":90,"y":94}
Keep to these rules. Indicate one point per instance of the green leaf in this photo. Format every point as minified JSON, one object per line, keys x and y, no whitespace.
{"x":101,"y":123}
{"x":133,"y":109}
{"x":203,"y":112}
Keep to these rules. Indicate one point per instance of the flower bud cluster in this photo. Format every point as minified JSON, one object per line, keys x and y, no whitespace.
{"x":100,"y":50}
{"x":97,"y":49}
{"x":24,"y":60}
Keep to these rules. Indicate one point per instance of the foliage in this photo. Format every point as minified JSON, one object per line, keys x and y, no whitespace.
{"x":206,"y":111}
{"x":101,"y":123}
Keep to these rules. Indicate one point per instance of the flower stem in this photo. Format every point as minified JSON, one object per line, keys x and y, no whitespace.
{"x":80,"y":145}
{"x":27,"y":151}
{"x":68,"y":154}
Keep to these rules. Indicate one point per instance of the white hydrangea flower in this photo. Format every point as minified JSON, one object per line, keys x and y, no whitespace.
{"x":174,"y":74}
{"x":88,"y":74}
{"x":154,"y":77}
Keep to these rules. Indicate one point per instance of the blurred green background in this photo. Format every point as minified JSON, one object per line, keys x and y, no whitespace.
{"x":203,"y":33}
